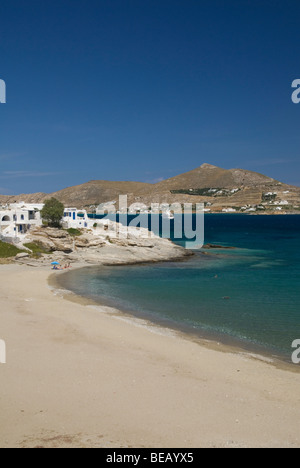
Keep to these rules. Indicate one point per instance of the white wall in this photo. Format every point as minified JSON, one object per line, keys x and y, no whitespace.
{"x":80,"y":222}
{"x":17,"y":221}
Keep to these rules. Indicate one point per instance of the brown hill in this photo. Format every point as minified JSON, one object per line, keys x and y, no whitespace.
{"x":218,"y":187}
{"x":98,"y":191}
{"x":211,"y":176}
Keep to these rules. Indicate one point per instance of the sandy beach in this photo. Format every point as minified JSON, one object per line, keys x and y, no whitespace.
{"x":78,"y":376}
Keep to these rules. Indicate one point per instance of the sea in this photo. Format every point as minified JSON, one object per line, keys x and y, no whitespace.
{"x":248,"y":296}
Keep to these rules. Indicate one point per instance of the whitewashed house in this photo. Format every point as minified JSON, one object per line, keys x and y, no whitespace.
{"x":18,"y":218}
{"x":77,"y":219}
{"x":229,"y":210}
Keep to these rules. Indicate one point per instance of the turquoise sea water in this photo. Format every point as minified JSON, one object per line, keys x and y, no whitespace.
{"x":250,"y":294}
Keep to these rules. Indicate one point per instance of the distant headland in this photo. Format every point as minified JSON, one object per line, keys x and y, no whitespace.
{"x":221,"y":190}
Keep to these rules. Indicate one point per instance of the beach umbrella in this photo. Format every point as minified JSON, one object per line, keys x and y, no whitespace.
{"x":55,"y":263}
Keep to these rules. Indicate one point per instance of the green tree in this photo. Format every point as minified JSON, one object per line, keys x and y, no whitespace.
{"x":53,"y":212}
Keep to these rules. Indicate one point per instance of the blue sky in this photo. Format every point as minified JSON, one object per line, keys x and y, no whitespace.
{"x":146,"y":89}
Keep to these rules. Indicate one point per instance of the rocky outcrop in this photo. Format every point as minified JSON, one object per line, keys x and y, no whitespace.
{"x":214,"y":246}
{"x":88,"y":240}
{"x":111,"y":243}
{"x":52,"y":239}
{"x":21,"y":256}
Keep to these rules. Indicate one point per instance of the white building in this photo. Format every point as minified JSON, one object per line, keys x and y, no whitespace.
{"x":77,"y":219}
{"x":229,"y":210}
{"x":18,"y":218}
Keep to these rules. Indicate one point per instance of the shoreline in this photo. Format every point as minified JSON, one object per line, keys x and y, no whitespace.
{"x":212,"y":340}
{"x":76,"y":377}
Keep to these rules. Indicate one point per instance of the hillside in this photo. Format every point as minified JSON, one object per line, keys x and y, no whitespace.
{"x":98,"y":191}
{"x":216,"y":187}
{"x":212,"y":176}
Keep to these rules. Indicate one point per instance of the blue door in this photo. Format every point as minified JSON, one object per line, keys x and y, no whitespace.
{"x":74,"y":216}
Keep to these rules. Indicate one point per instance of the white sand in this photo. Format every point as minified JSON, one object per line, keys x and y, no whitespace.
{"x":79,"y":377}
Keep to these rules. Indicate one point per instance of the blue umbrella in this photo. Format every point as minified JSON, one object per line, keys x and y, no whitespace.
{"x":55,"y":263}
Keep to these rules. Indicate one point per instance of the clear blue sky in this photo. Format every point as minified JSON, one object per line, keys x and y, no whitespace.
{"x":146,"y":89}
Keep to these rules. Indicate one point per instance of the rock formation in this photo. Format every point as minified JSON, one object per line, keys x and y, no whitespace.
{"x":112,"y":244}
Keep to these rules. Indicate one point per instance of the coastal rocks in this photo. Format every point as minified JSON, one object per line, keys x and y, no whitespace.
{"x":21,"y":256}
{"x":46,"y":244}
{"x":64,"y":246}
{"x":130,"y":243}
{"x":213,"y":246}
{"x":52,"y":239}
{"x":89,"y":240}
{"x":53,"y":233}
{"x":51,"y":246}
{"x":115,"y":245}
